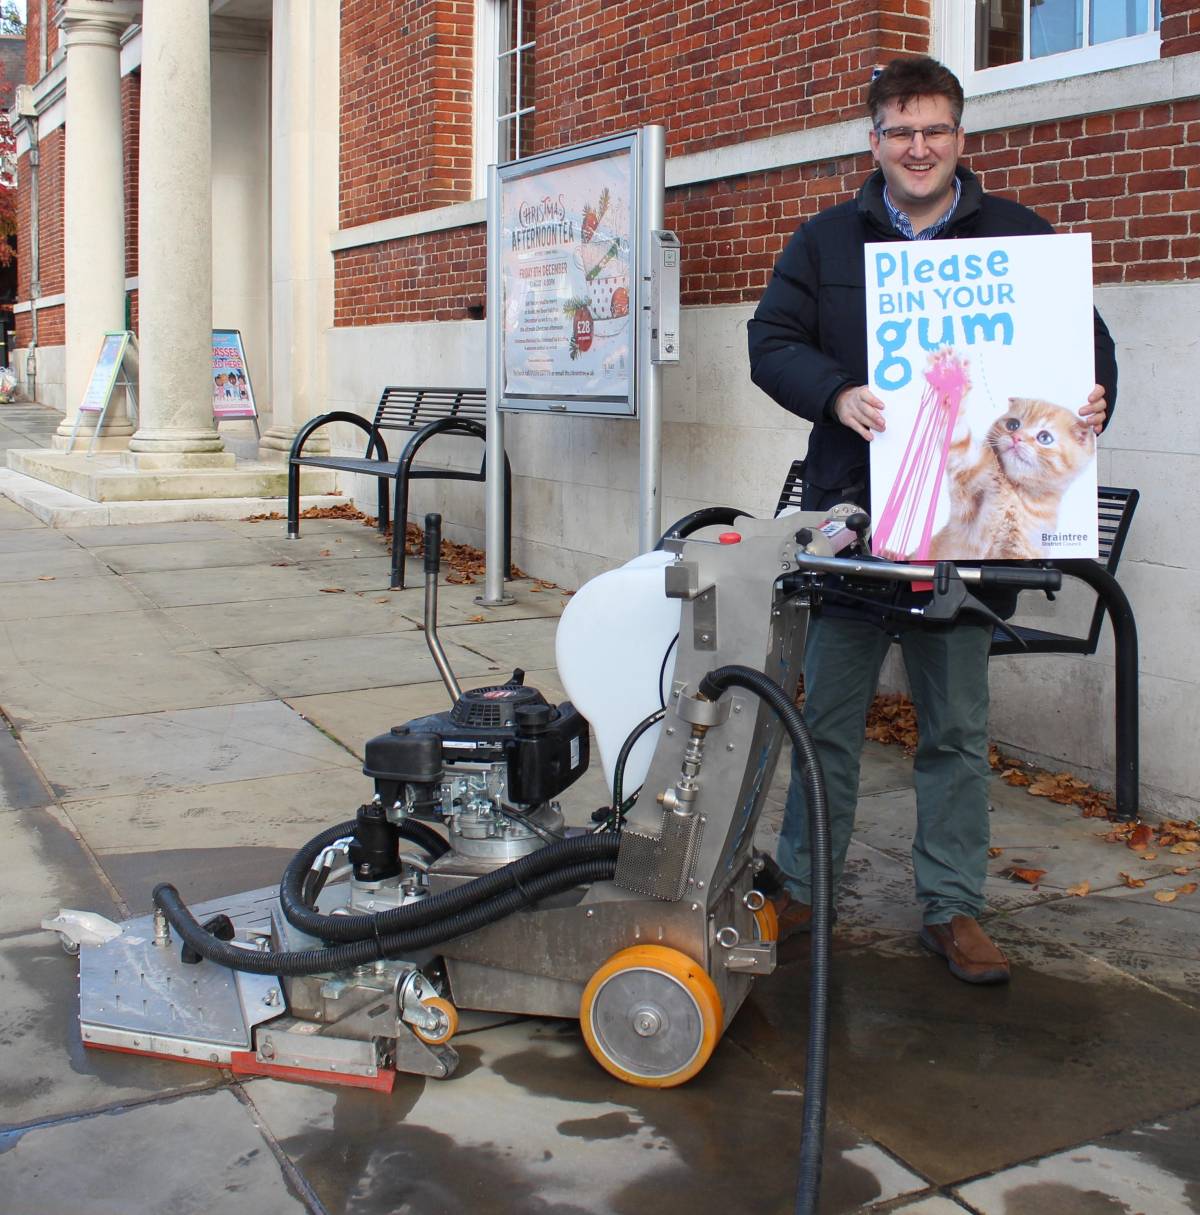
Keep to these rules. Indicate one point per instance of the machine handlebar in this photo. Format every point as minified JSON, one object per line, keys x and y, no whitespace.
{"x":1033,"y":578}
{"x":433,"y":543}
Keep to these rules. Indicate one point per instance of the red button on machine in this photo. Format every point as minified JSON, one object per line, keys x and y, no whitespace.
{"x":729,"y":538}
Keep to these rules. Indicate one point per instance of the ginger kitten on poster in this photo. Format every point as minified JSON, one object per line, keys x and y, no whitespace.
{"x":1006,"y":492}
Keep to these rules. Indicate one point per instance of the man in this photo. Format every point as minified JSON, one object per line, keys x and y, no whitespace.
{"x":808,"y":350}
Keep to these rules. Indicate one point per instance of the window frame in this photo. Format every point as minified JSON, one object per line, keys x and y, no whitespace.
{"x":955,"y":42}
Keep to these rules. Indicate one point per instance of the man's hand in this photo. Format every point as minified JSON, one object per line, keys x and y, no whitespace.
{"x":1096,"y":409}
{"x":862,"y":411}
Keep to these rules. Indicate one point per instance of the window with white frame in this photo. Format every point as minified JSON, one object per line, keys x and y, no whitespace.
{"x":1002,"y":44}
{"x":504,"y":49}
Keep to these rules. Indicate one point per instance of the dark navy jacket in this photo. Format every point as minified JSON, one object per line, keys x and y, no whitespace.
{"x":808,"y":337}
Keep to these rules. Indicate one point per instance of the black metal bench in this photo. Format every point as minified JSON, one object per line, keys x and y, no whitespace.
{"x":425,"y":412}
{"x":1115,"y":507}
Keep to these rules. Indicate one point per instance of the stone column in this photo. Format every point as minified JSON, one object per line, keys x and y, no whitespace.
{"x":175,"y":242}
{"x":94,"y":207}
{"x":304,"y":192}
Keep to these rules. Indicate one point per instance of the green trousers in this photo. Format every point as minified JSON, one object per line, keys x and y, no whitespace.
{"x":947,"y":670}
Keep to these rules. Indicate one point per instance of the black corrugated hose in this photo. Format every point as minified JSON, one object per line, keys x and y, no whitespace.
{"x":367,"y":938}
{"x":808,"y":1187}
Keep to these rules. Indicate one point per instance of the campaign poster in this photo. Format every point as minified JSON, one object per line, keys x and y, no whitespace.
{"x":982,"y":352}
{"x":566,"y":265}
{"x":233,"y":397}
{"x":104,"y":373}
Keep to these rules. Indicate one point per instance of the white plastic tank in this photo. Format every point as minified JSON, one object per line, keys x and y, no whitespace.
{"x":615,"y":647}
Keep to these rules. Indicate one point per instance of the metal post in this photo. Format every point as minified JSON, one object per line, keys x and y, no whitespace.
{"x":651,"y":184}
{"x":495,"y":570}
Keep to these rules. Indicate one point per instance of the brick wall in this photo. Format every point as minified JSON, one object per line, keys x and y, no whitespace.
{"x":406,"y":106}
{"x":1180,"y":27}
{"x":131,"y":88}
{"x":1130,"y":177}
{"x":50,"y":185}
{"x":708,"y":71}
{"x":443,"y":276}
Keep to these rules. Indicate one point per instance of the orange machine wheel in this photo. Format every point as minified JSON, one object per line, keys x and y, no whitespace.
{"x":651,"y":1016}
{"x":767,"y":921}
{"x":449,"y":1023}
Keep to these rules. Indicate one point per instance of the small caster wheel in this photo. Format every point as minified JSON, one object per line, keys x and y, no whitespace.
{"x":447,"y":1025}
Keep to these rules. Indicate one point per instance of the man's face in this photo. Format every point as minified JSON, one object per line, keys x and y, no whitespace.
{"x":919,"y":172}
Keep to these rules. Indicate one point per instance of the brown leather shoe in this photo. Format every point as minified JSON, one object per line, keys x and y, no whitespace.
{"x":793,"y":916}
{"x":967,"y":949}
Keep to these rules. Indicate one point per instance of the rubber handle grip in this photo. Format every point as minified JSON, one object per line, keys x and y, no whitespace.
{"x":433,"y":543}
{"x":1024,"y":579}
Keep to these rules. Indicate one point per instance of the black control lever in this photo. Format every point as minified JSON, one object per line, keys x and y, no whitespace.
{"x":951,"y":597}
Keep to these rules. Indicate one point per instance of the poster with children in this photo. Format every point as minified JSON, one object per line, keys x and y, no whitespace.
{"x":982,"y":352}
{"x":232,"y":395}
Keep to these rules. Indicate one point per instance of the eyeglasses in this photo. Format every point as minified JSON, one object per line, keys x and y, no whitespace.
{"x":939,"y":133}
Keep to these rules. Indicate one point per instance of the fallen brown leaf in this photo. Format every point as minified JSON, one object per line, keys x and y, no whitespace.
{"x":1140,"y":838}
{"x":1183,"y":869}
{"x":1079,"y":890}
{"x":476,"y":619}
{"x":333,"y":590}
{"x":1149,"y":856}
{"x":1133,"y":883}
{"x":325,"y":552}
{"x":46,"y":578}
{"x":1012,"y":776}
{"x":995,"y":852}
{"x":1184,"y":848}
{"x":280,"y":565}
{"x":1186,"y":888}
{"x":1164,"y":896}
{"x":381,"y":601}
{"x":1031,"y":876}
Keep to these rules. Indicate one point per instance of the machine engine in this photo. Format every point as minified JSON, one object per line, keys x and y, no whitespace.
{"x":488,"y":769}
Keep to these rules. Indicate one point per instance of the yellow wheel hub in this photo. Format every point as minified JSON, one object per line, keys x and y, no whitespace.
{"x":651,"y":1016}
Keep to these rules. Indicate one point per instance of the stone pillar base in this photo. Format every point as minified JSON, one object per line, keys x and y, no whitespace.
{"x":173,"y":439}
{"x":152,"y":460}
{"x":276,"y":444}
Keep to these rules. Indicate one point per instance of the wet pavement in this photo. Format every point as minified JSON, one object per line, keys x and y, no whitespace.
{"x":182,"y":706}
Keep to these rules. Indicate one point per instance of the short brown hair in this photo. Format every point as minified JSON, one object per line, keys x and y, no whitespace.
{"x":904,"y":79}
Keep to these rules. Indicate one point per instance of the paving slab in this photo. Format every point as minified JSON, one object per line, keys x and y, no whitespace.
{"x":13,"y":516}
{"x":171,"y":750}
{"x":571,"y":1140}
{"x":229,"y":584}
{"x":342,"y":664}
{"x":1156,"y":943}
{"x":1152,"y":1170}
{"x":20,"y":786}
{"x":528,"y":644}
{"x":73,"y":667}
{"x":147,"y":533}
{"x":959,"y":1080}
{"x":117,"y":1165}
{"x":199,"y":874}
{"x":268,"y":812}
{"x":48,"y":1073}
{"x":188,"y":554}
{"x":50,"y":563}
{"x":317,"y":546}
{"x":299,"y":618}
{"x":102,"y":595}
{"x":46,"y":869}
{"x":457,"y":602}
{"x":34,"y":540}
{"x":1030,"y":833}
